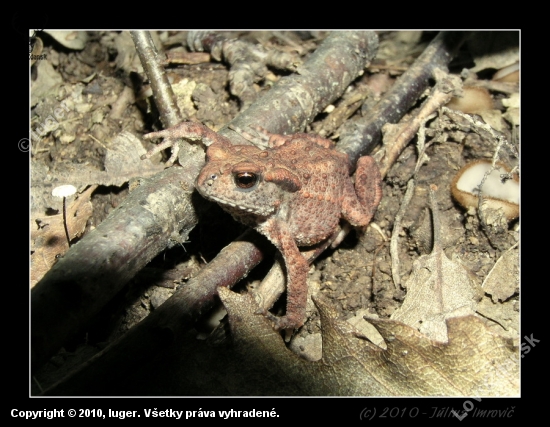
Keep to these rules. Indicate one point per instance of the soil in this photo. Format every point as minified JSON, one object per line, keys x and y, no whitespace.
{"x":356,"y":277}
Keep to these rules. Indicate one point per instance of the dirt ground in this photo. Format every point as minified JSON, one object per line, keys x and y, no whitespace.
{"x":104,"y":78}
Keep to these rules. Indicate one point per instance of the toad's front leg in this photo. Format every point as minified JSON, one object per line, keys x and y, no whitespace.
{"x":189,"y":130}
{"x":296,"y":267}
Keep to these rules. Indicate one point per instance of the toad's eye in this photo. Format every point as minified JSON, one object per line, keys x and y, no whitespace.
{"x":246,"y":179}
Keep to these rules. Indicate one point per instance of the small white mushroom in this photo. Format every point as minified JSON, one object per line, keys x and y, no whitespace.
{"x":64,"y":191}
{"x":498,"y":193}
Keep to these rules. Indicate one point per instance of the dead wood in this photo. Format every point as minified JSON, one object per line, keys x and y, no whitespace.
{"x":248,"y":62}
{"x":164,"y":95}
{"x":97,"y":267}
{"x":295,"y":101}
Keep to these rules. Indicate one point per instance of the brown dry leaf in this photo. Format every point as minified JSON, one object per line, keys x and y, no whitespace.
{"x":123,"y":161}
{"x":500,"y":286}
{"x":46,"y":84}
{"x":48,"y":240}
{"x":438,"y":289}
{"x":475,"y":362}
{"x":504,"y":315}
{"x":503,"y":280}
{"x":365,"y":329}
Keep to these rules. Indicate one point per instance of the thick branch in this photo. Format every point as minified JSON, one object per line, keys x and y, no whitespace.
{"x":96,"y":268}
{"x":295,"y":101}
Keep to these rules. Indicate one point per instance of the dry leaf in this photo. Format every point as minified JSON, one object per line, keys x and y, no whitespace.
{"x":46,"y":84}
{"x":475,"y":362}
{"x":256,"y":362}
{"x":503,"y":280}
{"x":123,"y":161}
{"x":438,"y":289}
{"x":365,"y":329}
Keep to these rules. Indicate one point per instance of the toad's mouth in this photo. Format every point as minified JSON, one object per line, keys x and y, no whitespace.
{"x":238,"y":207}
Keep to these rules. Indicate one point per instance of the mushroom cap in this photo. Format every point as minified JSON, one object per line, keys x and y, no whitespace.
{"x":64,"y":191}
{"x":497,"y":193}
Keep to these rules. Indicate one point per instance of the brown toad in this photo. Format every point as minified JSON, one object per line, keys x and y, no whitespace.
{"x":294,"y":192}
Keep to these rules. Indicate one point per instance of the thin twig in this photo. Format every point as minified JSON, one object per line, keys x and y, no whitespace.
{"x":394,"y":241}
{"x":397,"y":137}
{"x":165,"y":99}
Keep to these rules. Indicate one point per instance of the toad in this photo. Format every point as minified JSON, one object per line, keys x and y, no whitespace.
{"x":295,"y":191}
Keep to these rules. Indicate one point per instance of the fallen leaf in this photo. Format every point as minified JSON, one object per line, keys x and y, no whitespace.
{"x":474,"y":362}
{"x":251,"y":359}
{"x":46,"y":84}
{"x":361,"y":322}
{"x":438,"y":289}
{"x":503,"y":280}
{"x":123,"y":161}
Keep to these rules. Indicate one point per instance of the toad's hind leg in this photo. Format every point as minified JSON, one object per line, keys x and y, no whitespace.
{"x":296,"y":267}
{"x":360,"y":207}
